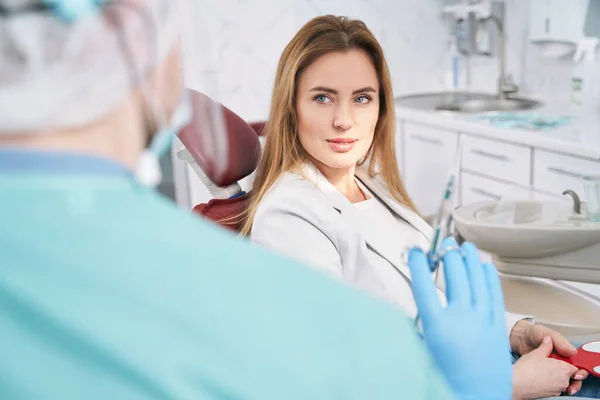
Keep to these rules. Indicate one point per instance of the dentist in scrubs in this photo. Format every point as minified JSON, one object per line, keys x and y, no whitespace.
{"x":108,"y":291}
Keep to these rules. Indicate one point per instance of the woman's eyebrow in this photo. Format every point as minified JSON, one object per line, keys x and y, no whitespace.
{"x":333,"y":91}
{"x":323,"y":89}
{"x":365,"y":89}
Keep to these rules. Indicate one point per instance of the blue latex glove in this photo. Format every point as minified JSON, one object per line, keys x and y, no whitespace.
{"x":468,"y":338}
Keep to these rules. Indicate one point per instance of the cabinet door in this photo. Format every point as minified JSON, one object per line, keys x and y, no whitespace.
{"x":428,"y":156}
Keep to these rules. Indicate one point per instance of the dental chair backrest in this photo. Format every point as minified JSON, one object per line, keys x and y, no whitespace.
{"x":240,"y":158}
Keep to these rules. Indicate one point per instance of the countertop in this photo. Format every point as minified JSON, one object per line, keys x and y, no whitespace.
{"x":579,"y":138}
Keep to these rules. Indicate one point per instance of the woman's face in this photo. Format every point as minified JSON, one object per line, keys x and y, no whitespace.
{"x":337,"y":103}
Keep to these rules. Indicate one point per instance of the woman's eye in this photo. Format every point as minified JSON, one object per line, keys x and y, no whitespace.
{"x":321,"y":98}
{"x":363,"y":99}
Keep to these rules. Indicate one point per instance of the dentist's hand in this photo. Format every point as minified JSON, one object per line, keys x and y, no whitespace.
{"x":468,"y":338}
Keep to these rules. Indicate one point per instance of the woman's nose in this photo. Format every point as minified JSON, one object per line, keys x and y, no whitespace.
{"x":343,"y":118}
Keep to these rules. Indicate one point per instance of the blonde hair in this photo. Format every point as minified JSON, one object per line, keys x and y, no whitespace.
{"x":283,"y":151}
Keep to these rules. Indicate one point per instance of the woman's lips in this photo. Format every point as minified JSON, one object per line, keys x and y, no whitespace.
{"x":341,"y":145}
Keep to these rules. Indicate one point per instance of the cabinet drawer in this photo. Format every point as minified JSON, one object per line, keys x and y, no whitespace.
{"x":496,"y":159}
{"x":431,"y":138}
{"x":554,"y":173}
{"x":475,"y":188}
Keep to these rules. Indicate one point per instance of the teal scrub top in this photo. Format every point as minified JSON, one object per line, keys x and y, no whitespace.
{"x":109,"y":291}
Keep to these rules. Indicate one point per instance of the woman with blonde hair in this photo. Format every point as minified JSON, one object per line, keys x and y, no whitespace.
{"x":329,"y":193}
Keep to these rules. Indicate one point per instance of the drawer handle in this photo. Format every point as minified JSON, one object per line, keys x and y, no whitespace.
{"x":561,"y":171}
{"x":486,"y":194}
{"x":498,"y":157}
{"x":428,"y":140}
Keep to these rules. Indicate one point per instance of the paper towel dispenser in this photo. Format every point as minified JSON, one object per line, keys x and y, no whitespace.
{"x":592,"y":25}
{"x":557,"y":25}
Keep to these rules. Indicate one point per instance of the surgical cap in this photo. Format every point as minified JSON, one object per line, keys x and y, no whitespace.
{"x":59,"y":74}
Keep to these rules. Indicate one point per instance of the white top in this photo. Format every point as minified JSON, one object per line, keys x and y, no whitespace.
{"x":376,"y":220}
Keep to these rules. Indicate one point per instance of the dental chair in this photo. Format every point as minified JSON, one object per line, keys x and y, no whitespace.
{"x":221,"y":172}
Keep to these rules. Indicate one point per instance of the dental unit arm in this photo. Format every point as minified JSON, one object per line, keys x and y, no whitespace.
{"x":216,"y":192}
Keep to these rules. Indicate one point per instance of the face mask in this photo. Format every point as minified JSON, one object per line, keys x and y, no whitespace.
{"x":148,"y":170}
{"x":73,"y":10}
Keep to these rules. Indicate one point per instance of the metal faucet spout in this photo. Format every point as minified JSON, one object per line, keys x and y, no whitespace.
{"x":505,"y":84}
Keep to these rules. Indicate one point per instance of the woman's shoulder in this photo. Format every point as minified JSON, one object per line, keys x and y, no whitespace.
{"x":291,"y":185}
{"x":295,"y":194}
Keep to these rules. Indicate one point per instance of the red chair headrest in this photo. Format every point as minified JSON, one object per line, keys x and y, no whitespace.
{"x":258,"y":127}
{"x":237,"y":146}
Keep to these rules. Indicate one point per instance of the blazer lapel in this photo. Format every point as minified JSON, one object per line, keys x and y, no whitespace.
{"x":346,"y":209}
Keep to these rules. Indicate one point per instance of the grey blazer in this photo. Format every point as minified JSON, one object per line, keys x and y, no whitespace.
{"x":305,"y":217}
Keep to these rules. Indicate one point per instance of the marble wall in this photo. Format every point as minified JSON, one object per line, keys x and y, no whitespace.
{"x":247,"y":38}
{"x":233,"y":47}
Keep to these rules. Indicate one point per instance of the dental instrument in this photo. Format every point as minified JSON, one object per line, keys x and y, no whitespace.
{"x":442,"y":220}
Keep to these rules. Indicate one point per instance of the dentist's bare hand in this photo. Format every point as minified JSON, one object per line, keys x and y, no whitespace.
{"x":536,"y":376}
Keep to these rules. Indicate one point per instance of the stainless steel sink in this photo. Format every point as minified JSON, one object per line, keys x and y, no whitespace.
{"x":465,"y":102}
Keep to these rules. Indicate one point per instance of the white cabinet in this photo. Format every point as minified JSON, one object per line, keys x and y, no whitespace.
{"x":507,"y":162}
{"x":475,"y":188}
{"x":490,"y":169}
{"x":555,"y":173}
{"x":428,"y":155}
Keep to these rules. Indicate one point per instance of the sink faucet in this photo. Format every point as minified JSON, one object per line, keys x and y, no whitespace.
{"x":482,"y":9}
{"x":506,"y":84}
